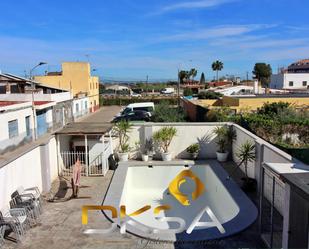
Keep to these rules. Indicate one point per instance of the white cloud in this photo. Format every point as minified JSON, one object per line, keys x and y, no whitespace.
{"x":202,"y":4}
{"x":215,"y":32}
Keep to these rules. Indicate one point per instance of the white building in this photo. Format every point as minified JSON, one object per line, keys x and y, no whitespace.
{"x":16,"y":123}
{"x":290,"y":81}
{"x":80,"y":106}
{"x":295,"y":77}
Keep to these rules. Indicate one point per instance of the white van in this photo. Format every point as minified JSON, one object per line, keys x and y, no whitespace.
{"x":146,"y":106}
{"x":168,"y":90}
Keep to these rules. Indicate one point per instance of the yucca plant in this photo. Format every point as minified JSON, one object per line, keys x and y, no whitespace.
{"x":123,"y":128}
{"x":164,"y":137}
{"x":246,"y":154}
{"x":225,"y":136}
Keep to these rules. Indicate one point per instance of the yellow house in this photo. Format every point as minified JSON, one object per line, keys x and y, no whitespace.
{"x":75,"y":77}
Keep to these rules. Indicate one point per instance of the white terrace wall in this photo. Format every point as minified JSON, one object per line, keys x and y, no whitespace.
{"x":187,"y":134}
{"x":35,"y":167}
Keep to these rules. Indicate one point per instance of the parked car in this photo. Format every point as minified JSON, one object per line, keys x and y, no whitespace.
{"x":134,"y":94}
{"x":137,"y":115}
{"x":145,"y":106}
{"x":168,"y":90}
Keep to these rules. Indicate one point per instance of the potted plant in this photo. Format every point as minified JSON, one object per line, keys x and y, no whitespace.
{"x":225,"y":136}
{"x":145,"y":150}
{"x":246,"y":154}
{"x":123,"y":128}
{"x":193,"y":149}
{"x":163,"y":138}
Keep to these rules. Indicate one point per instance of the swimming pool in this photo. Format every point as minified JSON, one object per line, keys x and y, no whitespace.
{"x":150,"y":186}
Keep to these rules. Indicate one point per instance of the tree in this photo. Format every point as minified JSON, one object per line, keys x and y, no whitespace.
{"x":187,"y":92}
{"x":202,"y":80}
{"x":217,"y":66}
{"x":192,"y":73}
{"x":183,"y":75}
{"x":262,"y":72}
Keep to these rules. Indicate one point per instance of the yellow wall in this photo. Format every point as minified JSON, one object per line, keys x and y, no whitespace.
{"x":255,"y":103}
{"x":76,"y":77}
{"x":252,"y":104}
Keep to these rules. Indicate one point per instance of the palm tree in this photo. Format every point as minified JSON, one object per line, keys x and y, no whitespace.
{"x":217,"y":66}
{"x":193,"y":73}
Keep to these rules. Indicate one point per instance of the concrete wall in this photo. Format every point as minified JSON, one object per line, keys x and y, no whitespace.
{"x":187,"y":134}
{"x":276,"y":81}
{"x":39,"y":170}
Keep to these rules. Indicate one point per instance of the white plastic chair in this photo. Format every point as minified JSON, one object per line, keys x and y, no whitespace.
{"x":17,"y":220}
{"x":31,"y":206}
{"x":30,"y":193}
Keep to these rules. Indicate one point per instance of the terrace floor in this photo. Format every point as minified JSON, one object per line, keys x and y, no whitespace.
{"x":60,"y":225}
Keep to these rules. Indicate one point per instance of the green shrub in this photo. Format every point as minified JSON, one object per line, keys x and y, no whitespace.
{"x":166,"y":113}
{"x":273,"y":108}
{"x":187,"y":92}
{"x":209,"y":95}
{"x":193,"y":148}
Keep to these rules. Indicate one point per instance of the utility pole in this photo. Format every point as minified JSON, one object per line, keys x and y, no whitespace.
{"x":247,"y":76}
{"x":32,"y":94}
{"x":178,"y":90}
{"x":147,"y":79}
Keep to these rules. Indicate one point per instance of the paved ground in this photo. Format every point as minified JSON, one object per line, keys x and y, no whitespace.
{"x":60,"y":225}
{"x":104,"y":114}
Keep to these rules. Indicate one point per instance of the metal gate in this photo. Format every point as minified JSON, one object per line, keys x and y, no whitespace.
{"x":96,"y":167}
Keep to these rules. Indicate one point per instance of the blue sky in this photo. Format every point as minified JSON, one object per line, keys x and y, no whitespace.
{"x":129,"y":39}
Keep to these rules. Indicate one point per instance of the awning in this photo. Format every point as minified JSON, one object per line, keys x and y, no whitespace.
{"x":85,"y":128}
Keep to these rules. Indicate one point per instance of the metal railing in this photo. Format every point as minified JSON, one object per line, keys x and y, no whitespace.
{"x":96,"y":167}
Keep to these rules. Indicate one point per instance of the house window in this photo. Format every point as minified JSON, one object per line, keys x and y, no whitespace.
{"x":28,"y":130}
{"x":13,"y":128}
{"x":304,"y":83}
{"x":291,"y":83}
